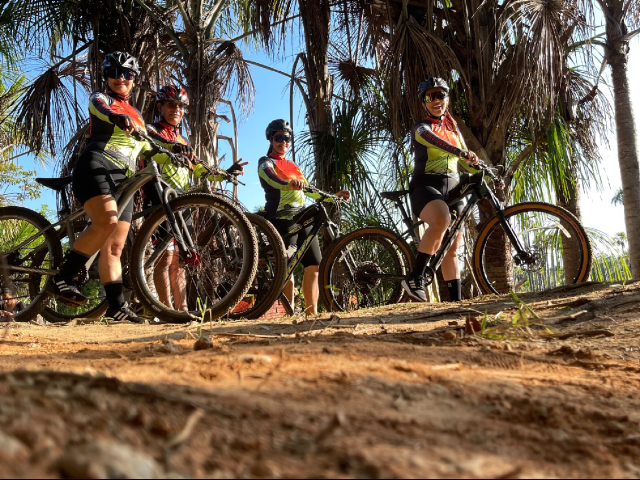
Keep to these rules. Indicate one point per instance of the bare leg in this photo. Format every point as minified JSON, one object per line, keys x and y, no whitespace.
{"x":161,"y":279}
{"x":178,"y":283}
{"x":310,"y":289}
{"x":450,"y":268}
{"x":103,"y":212}
{"x":288,"y":290}
{"x":436,"y":215}
{"x":109,"y":264}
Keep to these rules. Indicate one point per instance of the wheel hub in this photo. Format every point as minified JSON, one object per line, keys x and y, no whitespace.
{"x":363,"y":275}
{"x":528,"y":261}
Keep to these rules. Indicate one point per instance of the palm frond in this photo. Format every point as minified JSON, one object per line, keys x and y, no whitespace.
{"x":45,"y":110}
{"x":413,"y":55}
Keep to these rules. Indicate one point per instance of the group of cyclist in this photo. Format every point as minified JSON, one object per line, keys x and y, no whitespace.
{"x":114,"y":151}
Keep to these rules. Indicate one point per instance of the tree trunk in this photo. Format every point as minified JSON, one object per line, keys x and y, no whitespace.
{"x":626,"y":134}
{"x":571,"y":257}
{"x":316,"y":21}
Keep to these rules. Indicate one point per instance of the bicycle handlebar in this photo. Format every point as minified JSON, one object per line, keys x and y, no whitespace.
{"x":144,"y":136}
{"x":324,"y":194}
{"x":497,"y":179}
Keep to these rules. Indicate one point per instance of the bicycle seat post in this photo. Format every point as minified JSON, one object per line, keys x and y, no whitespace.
{"x":66,"y":209}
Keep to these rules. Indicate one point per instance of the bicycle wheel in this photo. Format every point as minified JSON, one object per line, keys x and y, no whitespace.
{"x":557,"y":250}
{"x":364,"y":269}
{"x":24,"y":246}
{"x":220,"y":274}
{"x":271,"y":273}
{"x":58,"y":312}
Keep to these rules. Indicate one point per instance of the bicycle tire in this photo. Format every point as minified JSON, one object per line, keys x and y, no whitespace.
{"x":271,"y":272}
{"x":32,"y":285}
{"x":247,"y":267}
{"x":570,"y":222}
{"x":400,"y":259}
{"x":97,"y":309}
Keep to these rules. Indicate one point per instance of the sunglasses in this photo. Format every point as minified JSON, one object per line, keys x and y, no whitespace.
{"x":430,"y":97}
{"x":118,"y":72}
{"x":282,"y":138}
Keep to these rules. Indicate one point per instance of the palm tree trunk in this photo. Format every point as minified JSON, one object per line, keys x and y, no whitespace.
{"x":571,"y":257}
{"x":626,"y":134}
{"x":316,"y":21}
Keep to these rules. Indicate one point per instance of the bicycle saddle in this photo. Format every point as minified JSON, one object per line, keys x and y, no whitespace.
{"x":56,"y":184}
{"x":394,"y":196}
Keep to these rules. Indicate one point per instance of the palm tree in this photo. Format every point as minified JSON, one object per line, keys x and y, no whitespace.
{"x":621,"y":16}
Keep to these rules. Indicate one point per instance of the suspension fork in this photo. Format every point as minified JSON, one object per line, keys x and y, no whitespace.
{"x":499,"y":208}
{"x":175,"y":225}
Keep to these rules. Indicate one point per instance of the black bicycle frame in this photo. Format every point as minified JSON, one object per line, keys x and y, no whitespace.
{"x":480,"y":191}
{"x":126,"y":190}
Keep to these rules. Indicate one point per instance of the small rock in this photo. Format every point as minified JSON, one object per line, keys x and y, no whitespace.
{"x":335,"y":318}
{"x":168,"y":346}
{"x":484,"y":349}
{"x":255,"y":358}
{"x":12,"y":447}
{"x":449,"y":335}
{"x":203,"y":343}
{"x":264,"y":328}
{"x":453,"y":323}
{"x":106,"y":459}
{"x":295,"y":322}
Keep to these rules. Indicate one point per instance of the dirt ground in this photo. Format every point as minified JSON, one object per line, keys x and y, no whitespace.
{"x":402,"y":391}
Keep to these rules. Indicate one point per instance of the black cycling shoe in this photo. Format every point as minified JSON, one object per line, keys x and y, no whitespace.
{"x":67,"y":290}
{"x":124,"y":313}
{"x":414,"y":286}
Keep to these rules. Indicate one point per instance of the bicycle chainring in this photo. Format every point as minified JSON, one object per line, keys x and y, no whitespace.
{"x":429,"y":275}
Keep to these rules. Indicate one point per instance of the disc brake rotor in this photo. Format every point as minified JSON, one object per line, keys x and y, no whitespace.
{"x":529,"y":261}
{"x":364,"y":278}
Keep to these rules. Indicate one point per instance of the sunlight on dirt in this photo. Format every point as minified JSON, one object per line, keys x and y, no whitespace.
{"x":536,"y":386}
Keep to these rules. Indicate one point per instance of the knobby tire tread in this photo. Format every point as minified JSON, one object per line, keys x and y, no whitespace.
{"x":339,"y":243}
{"x":242,"y":285}
{"x":280,"y":254}
{"x":478,"y":265}
{"x":36,"y":306}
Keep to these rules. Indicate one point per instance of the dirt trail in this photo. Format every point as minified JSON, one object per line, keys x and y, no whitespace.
{"x":392,"y":392}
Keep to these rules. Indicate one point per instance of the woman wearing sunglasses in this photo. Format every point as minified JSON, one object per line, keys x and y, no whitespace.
{"x":439,"y":150}
{"x":171,"y":103}
{"x":283,"y":184}
{"x":108,"y":159}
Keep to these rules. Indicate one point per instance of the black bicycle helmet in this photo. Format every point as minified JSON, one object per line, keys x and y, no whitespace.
{"x":432,"y":82}
{"x":122,"y":60}
{"x":175,"y":94}
{"x":276,"y":126}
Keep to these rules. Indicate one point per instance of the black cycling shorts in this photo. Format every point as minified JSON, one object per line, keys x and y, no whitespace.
{"x":424,"y":189}
{"x":95,"y":175}
{"x":294,"y":242}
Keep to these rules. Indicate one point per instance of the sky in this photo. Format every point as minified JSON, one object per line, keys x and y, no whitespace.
{"x":272,"y":101}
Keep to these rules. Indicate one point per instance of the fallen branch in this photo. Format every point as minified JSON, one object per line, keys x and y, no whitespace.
{"x":564,"y":318}
{"x":240,"y":335}
{"x":588,"y":333}
{"x":186,"y":432}
{"x":596,"y":365}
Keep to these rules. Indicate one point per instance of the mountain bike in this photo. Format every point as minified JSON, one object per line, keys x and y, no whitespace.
{"x":57,"y":311}
{"x":214,"y":240}
{"x":273,"y":266}
{"x":524,"y":247}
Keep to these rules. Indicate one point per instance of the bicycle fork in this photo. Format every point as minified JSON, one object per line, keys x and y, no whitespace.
{"x":178,"y":227}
